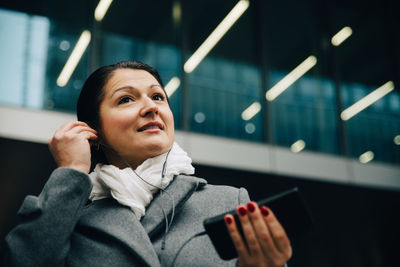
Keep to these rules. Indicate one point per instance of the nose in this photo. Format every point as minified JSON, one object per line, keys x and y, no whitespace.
{"x":148,"y":107}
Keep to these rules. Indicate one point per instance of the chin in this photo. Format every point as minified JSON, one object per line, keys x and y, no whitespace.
{"x":154,"y":149}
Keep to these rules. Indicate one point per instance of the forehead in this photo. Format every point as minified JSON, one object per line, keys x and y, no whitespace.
{"x":129,"y":77}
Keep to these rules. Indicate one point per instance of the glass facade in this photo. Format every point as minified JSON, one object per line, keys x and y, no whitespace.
{"x":225,"y":94}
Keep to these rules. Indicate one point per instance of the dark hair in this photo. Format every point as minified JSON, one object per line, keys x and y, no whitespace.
{"x":92,"y":94}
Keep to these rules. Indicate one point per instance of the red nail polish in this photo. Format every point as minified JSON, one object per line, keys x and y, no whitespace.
{"x":242,"y":211}
{"x":264,"y":211}
{"x":228,"y":220}
{"x":251,"y":207}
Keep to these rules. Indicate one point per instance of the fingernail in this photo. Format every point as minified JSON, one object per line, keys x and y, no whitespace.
{"x":264,"y":211}
{"x":251,"y":207}
{"x":242,"y":211}
{"x":228,"y":219}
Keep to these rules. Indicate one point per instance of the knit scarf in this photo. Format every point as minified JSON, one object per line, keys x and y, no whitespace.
{"x":125,"y":185}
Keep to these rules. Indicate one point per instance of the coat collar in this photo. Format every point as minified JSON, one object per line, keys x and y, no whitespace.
{"x":171,"y":200}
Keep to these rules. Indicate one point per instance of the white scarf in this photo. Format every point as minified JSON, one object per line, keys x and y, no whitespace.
{"x":129,"y":189}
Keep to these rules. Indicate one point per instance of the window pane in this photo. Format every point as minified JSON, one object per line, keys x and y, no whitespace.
{"x":227,"y":81}
{"x":305,"y":111}
{"x":36,"y":48}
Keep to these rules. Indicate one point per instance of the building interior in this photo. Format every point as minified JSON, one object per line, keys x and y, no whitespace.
{"x":266,"y":95}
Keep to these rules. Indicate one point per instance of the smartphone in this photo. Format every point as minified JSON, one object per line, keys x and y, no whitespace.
{"x":289,"y":207}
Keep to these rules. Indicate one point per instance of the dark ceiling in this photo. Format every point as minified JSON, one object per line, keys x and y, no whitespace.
{"x":290,"y":31}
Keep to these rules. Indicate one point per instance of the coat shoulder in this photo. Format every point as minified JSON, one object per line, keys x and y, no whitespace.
{"x":225,"y":195}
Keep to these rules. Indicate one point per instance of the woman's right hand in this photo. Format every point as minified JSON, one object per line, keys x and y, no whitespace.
{"x":70,"y":145}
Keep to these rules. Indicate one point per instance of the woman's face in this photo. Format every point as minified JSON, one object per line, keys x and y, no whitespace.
{"x":136,"y":120}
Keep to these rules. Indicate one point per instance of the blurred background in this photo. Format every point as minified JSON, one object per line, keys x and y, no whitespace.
{"x":266,"y":94}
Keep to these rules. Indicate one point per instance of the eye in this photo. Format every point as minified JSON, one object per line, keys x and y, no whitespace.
{"x":158,"y":97}
{"x":124,"y":100}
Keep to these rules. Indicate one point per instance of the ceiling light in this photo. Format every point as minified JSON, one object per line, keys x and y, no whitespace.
{"x":176,"y":11}
{"x":64,"y":45}
{"x":341,"y":36}
{"x":250,"y":128}
{"x":74,"y":58}
{"x":396,"y":140}
{"x":366,"y":157}
{"x":251,"y":111}
{"x":216,"y":35}
{"x":199,"y":117}
{"x":298,"y":146}
{"x":101,"y":9}
{"x":289,"y":79}
{"x":172,"y":85}
{"x":366,"y":101}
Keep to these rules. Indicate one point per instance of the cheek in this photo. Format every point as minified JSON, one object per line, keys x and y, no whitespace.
{"x":171,"y":127}
{"x":170,"y":118}
{"x":113,"y":122}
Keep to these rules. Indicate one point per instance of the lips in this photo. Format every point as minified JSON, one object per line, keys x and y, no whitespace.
{"x":151,"y":126}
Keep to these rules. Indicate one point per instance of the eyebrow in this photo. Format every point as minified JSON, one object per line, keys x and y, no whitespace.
{"x":131,"y":88}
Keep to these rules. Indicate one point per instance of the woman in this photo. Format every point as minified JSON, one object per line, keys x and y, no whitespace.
{"x":138,"y":207}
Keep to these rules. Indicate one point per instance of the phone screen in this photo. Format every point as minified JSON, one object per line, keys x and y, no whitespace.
{"x":289,"y":207}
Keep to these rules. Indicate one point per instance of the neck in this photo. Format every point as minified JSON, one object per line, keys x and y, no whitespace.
{"x":121,"y":163}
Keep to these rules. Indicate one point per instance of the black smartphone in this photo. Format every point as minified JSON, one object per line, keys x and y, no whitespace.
{"x":289,"y":207}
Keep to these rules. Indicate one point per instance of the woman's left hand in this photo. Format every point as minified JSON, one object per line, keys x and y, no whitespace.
{"x":266,"y":243}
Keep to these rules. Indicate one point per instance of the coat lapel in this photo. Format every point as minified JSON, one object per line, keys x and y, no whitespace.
{"x":109,"y":217}
{"x":175,"y":195}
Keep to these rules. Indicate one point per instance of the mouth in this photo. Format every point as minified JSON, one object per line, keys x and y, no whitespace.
{"x":151,"y":126}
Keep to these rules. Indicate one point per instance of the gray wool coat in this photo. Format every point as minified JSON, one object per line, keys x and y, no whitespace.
{"x":59,"y":227}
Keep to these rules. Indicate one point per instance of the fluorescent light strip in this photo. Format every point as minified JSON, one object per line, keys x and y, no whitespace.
{"x":74,"y":58}
{"x":396,"y":140}
{"x":366,"y":157}
{"x":172,"y":85}
{"x":366,"y":101}
{"x":216,"y":35}
{"x":251,"y":111}
{"x":101,"y":9}
{"x":298,"y":146}
{"x":176,"y":12}
{"x":341,"y":36}
{"x":292,"y":77}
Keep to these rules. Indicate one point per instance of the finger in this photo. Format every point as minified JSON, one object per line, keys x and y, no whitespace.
{"x":90,"y":136}
{"x":248,"y":231}
{"x":75,"y":132}
{"x":69,"y":125}
{"x":236,"y":237}
{"x":277,"y":232}
{"x":263,"y":234}
{"x":80,"y":128}
{"x":78,"y":137}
